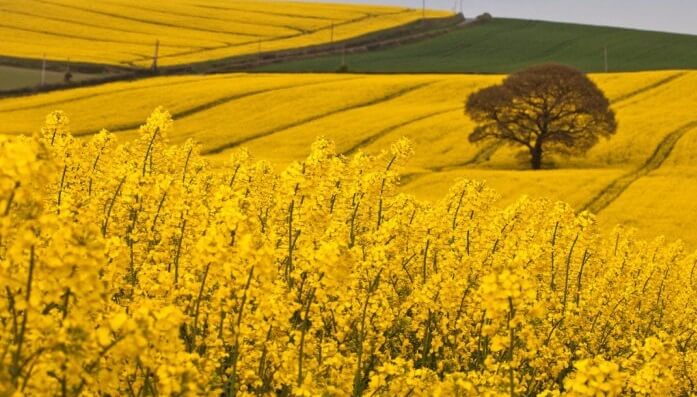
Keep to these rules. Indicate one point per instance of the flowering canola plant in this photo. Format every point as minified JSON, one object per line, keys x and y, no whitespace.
{"x":137,"y":269}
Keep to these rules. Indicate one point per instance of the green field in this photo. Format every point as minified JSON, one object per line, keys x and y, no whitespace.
{"x":507,"y":45}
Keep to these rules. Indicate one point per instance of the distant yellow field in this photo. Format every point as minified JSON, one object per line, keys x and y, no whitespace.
{"x":84,"y":30}
{"x":278,"y":116}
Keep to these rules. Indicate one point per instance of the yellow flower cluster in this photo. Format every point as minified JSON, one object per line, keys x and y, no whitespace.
{"x":138,"y":269}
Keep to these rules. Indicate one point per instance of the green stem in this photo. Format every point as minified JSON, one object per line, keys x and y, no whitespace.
{"x":305,"y":327}
{"x":579,"y":278}
{"x":60,"y":189}
{"x":198,"y":307}
{"x":111,"y":206}
{"x":147,"y":152}
{"x":566,"y":278}
{"x":179,"y":250}
{"x":554,"y":242}
{"x":511,"y":333}
{"x":382,"y":189}
{"x":357,"y":381}
{"x":289,"y":262}
{"x":457,"y":209}
{"x":231,"y":388}
{"x":94,"y":168}
{"x":15,"y":368}
{"x":186,"y":164}
{"x":234,"y":175}
{"x":11,"y":199}
{"x":423,"y":270}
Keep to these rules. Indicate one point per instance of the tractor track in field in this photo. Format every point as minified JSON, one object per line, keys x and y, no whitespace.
{"x":210,"y":105}
{"x":74,"y":36}
{"x":95,"y":25}
{"x":374,"y":137}
{"x":182,"y":14}
{"x":145,"y":21}
{"x":612,"y":191}
{"x":483,"y":155}
{"x":107,"y":93}
{"x":642,"y":90}
{"x":266,"y":12}
{"x":394,"y":95}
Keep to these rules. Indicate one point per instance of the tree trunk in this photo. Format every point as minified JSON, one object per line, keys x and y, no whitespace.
{"x":536,"y":155}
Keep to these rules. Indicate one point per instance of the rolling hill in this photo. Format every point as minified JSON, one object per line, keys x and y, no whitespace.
{"x":506,"y":45}
{"x":124,"y":32}
{"x":278,"y":116}
{"x":206,"y":226}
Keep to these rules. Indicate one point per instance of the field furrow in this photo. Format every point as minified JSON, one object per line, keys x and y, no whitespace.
{"x":382,"y":133}
{"x":371,"y":102}
{"x":221,"y":101}
{"x":197,"y":108}
{"x":618,"y":186}
{"x":145,"y":21}
{"x":647,"y":88}
{"x":169,"y":12}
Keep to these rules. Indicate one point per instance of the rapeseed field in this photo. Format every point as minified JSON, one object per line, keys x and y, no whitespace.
{"x":278,"y":116}
{"x":124,"y":32}
{"x":138,"y":268}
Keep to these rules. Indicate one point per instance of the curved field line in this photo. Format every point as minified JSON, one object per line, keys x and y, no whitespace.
{"x":149,"y":22}
{"x":275,"y":130}
{"x":73,"y":36}
{"x":107,"y":93}
{"x":180,"y":14}
{"x":315,"y":17}
{"x":611,"y":192}
{"x":273,"y":39}
{"x":484,"y":154}
{"x":647,"y":88}
{"x":481,"y":156}
{"x":110,"y":28}
{"x":209,"y":105}
{"x":372,"y":138}
{"x":82,"y":24}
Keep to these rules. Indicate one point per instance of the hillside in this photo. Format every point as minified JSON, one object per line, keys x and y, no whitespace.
{"x":123,"y":32}
{"x":300,"y":198}
{"x":151,"y":272}
{"x":506,"y":45}
{"x":278,"y":116}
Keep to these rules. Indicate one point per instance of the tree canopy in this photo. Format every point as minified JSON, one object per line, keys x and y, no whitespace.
{"x":546,"y":109}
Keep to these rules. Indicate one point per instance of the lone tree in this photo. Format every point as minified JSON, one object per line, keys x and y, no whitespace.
{"x":546,"y":109}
